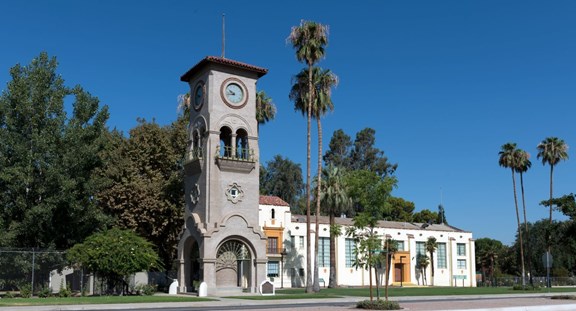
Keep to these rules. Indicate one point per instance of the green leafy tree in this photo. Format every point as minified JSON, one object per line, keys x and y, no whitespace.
{"x":335,"y":201}
{"x":265,"y":108}
{"x":370,"y":192}
{"x":283,"y":178}
{"x":323,"y":81}
{"x":115,"y":254}
{"x":309,"y":40}
{"x":487,"y":252}
{"x":48,"y":159}
{"x":365,"y":156}
{"x":509,"y":158}
{"x":400,"y":209}
{"x":145,"y":183}
{"x":338,"y":153}
{"x":425,"y":216}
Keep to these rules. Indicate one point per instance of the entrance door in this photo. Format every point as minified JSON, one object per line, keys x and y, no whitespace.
{"x":398,"y":272}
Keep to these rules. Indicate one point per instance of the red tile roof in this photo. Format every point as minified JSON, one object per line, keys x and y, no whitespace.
{"x":224,"y":61}
{"x":272,"y":200}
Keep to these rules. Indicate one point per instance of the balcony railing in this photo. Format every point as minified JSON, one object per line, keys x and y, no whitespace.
{"x":194,"y":154}
{"x":236,"y":154}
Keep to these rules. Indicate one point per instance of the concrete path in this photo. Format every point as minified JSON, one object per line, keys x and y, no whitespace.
{"x":523,"y":302}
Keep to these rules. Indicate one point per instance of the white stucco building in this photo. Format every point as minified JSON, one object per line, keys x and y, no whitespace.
{"x":454,"y":259}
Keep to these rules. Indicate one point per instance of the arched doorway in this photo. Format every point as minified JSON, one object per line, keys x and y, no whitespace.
{"x":233,"y":267}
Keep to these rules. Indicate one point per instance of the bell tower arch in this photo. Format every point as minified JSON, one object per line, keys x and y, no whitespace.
{"x":222,"y":243}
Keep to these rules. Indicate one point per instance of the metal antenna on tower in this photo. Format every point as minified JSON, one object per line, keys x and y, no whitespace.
{"x":223,"y":35}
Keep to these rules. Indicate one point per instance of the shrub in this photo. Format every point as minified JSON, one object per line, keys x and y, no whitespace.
{"x":25,"y":291}
{"x":9,"y":295}
{"x":378,"y":305}
{"x":527,"y":287}
{"x":64,"y":292}
{"x":146,"y":289}
{"x":45,"y":292}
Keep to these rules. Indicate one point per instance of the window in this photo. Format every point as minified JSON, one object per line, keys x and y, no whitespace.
{"x":461,"y":263}
{"x":441,"y":256}
{"x":301,"y":242}
{"x":349,"y":252}
{"x":225,"y":142}
{"x":273,"y":245}
{"x":461,"y":249}
{"x":324,"y":252}
{"x":421,"y":248}
{"x":293,"y":242}
{"x":273,"y":268}
{"x":400,"y":245}
{"x":273,"y":214}
{"x":242,"y":151}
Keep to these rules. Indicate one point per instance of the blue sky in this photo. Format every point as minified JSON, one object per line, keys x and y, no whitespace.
{"x":443,"y":83}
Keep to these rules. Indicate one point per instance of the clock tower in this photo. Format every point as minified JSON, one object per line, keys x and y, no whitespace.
{"x":222,"y":243}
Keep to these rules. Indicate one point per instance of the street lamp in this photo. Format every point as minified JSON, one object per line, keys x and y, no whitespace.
{"x":282,"y":254}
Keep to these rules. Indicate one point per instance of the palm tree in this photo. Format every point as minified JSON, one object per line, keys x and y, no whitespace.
{"x":265,"y":108}
{"x":509,"y":159}
{"x":431,"y":246}
{"x":322,"y":83}
{"x":421,"y":264}
{"x":309,"y":40}
{"x":522,"y":165}
{"x":552,"y":150}
{"x":335,"y":201}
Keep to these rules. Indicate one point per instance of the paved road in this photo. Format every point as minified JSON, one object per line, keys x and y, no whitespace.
{"x":537,"y":302}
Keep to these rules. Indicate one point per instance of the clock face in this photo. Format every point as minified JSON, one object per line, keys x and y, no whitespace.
{"x":198,"y":95}
{"x":234,"y":93}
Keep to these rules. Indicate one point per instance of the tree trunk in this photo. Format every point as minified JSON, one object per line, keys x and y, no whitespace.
{"x":519,"y":228}
{"x":528,"y":254}
{"x":432,"y":268}
{"x":319,"y":183}
{"x":333,"y":280}
{"x":309,"y":272}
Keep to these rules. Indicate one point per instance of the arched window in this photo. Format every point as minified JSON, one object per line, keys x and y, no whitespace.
{"x":242,"y":151}
{"x":273,"y":214}
{"x":225,"y":142}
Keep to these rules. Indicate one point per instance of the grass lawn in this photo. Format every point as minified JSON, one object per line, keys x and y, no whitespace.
{"x":425,"y":291}
{"x":95,"y":300}
{"x":296,"y":293}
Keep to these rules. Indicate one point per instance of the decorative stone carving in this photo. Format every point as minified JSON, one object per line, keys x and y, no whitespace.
{"x":234,"y":193}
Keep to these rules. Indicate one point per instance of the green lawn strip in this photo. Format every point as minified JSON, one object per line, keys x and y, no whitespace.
{"x":427,"y":291}
{"x":96,"y":300}
{"x":300,"y":295}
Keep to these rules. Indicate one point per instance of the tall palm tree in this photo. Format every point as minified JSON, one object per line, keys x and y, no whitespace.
{"x":265,"y":108}
{"x":522,"y":165}
{"x":309,"y":40}
{"x":335,"y":201}
{"x":508,"y":159}
{"x":322,"y":83}
{"x":431,"y":246}
{"x":552,"y":150}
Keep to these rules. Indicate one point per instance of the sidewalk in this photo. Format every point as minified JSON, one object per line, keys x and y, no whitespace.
{"x":519,"y":302}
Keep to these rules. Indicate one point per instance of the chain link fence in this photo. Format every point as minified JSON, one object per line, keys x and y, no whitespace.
{"x":537,"y":281}
{"x":28,"y":267}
